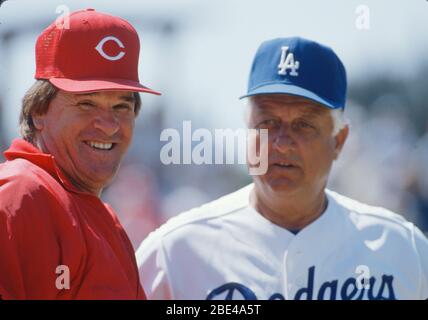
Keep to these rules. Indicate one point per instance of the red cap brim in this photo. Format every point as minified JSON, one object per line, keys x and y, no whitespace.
{"x":92,"y":85}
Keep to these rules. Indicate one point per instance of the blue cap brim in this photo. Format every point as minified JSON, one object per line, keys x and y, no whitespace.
{"x":292,"y":90}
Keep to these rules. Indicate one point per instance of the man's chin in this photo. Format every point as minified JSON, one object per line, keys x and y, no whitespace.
{"x":282,"y":186}
{"x":101,"y":178}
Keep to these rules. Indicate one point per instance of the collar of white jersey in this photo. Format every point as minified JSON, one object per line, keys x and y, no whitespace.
{"x":322,"y":234}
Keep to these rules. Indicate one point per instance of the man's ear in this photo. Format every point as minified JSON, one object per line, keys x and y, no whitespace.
{"x":340,"y":140}
{"x":38,"y":121}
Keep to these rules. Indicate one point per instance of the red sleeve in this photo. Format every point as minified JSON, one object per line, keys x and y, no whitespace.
{"x":29,"y":249}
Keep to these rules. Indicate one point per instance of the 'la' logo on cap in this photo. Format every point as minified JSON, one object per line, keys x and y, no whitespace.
{"x":100,"y":49}
{"x":287,"y":62}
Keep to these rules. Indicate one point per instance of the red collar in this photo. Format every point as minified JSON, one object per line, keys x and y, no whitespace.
{"x":21,"y":149}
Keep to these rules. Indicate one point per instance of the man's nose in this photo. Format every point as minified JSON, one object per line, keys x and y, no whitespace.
{"x":107,"y":122}
{"x":283,"y":141}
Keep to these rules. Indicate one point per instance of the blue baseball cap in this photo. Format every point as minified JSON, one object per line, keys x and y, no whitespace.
{"x":299,"y":67}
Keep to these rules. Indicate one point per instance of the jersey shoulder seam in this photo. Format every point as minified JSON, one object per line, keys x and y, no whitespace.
{"x":378,"y":212}
{"x":208,"y":211}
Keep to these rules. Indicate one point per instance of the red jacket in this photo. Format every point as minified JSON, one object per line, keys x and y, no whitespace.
{"x":45,"y":222}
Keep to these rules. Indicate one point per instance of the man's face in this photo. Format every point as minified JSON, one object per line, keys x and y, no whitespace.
{"x":300,"y":145}
{"x":88,"y":134}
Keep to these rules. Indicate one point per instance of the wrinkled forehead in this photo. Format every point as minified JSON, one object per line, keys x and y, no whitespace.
{"x":280,"y":103}
{"x":128,"y":96}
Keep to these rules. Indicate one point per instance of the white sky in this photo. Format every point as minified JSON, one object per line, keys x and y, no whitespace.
{"x":203,"y":67}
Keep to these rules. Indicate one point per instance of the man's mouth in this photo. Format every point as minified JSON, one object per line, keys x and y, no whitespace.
{"x":284,"y":165}
{"x":100,"y":145}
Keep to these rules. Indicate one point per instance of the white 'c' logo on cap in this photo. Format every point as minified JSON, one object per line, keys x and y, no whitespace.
{"x":100,"y":50}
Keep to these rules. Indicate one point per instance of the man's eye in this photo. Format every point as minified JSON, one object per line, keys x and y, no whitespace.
{"x":303,"y":125}
{"x":269,"y":123}
{"x":86,"y":104}
{"x":125,"y":107}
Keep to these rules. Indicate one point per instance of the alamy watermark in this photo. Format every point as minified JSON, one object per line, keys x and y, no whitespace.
{"x":63,"y":21}
{"x":224,"y":146}
{"x":62,"y":281}
{"x":363,"y":278}
{"x":362,"y":22}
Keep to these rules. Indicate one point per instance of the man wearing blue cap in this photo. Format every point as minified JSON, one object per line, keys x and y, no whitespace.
{"x":286,"y":236}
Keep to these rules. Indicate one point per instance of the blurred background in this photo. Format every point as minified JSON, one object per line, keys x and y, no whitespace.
{"x":198,"y":53}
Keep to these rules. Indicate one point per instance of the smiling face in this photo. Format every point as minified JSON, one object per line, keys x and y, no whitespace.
{"x":301,"y":145}
{"x":88,"y":134}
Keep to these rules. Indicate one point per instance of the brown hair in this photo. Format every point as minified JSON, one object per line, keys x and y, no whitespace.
{"x":36,"y":101}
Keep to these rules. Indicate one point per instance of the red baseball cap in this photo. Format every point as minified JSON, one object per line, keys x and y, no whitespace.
{"x":89,"y":51}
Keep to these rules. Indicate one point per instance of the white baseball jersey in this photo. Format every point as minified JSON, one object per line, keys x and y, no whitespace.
{"x":226,"y":250}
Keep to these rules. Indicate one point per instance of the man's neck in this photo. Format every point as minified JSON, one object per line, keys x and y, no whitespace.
{"x":95,"y":192}
{"x":293,"y":213}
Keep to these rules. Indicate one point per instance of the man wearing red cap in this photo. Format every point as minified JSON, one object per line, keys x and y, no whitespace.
{"x":58,"y":240}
